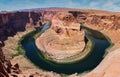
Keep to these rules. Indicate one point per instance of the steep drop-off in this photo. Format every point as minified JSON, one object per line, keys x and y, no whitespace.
{"x":11,"y":23}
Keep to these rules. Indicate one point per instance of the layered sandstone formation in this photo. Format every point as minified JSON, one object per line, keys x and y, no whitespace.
{"x":106,"y":22}
{"x":63,"y":39}
{"x":6,"y":68}
{"x":13,"y":23}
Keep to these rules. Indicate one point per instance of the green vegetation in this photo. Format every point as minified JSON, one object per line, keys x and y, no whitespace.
{"x":20,"y":49}
{"x":20,"y":52}
{"x":82,"y":62}
{"x":88,"y":48}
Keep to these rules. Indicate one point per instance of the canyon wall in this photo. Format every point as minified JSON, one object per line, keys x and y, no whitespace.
{"x":101,"y":19}
{"x":13,"y":22}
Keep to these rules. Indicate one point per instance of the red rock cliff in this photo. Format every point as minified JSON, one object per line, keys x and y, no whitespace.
{"x":12,"y":22}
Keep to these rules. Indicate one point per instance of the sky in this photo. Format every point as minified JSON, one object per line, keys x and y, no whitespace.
{"x":12,"y":5}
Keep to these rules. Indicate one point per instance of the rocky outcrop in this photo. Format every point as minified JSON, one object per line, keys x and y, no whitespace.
{"x":108,"y":67}
{"x":3,"y":71}
{"x":61,"y":41}
{"x":108,"y":22}
{"x":13,"y":22}
{"x":6,"y":68}
{"x":10,"y":24}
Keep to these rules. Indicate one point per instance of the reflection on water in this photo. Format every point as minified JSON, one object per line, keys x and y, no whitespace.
{"x":45,"y":27}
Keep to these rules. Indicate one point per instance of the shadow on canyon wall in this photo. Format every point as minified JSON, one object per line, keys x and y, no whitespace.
{"x":10,"y":24}
{"x":13,"y":22}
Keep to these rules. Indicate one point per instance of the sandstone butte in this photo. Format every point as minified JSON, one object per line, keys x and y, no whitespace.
{"x":63,"y":39}
{"x":14,"y":25}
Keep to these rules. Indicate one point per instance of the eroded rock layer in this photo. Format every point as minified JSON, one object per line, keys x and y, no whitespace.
{"x":13,"y":22}
{"x":63,"y":39}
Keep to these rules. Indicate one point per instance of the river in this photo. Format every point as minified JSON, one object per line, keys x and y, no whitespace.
{"x":88,"y":63}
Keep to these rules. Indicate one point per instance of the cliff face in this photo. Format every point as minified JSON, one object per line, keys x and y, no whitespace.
{"x":13,"y":22}
{"x":65,"y":32}
{"x":6,"y":67}
{"x":106,"y":21}
{"x":4,"y":32}
{"x":10,"y":24}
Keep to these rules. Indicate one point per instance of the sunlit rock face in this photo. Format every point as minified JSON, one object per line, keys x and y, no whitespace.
{"x":13,"y":22}
{"x":63,"y":39}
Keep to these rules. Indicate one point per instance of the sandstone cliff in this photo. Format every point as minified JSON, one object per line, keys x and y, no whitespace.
{"x":67,"y":36}
{"x":10,"y":24}
{"x":13,"y":22}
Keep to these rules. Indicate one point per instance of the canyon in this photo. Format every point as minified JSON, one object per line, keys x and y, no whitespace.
{"x":68,"y":39}
{"x":13,"y":25}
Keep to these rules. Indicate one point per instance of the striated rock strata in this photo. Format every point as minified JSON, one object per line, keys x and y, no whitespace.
{"x":107,"y":22}
{"x":63,"y":39}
